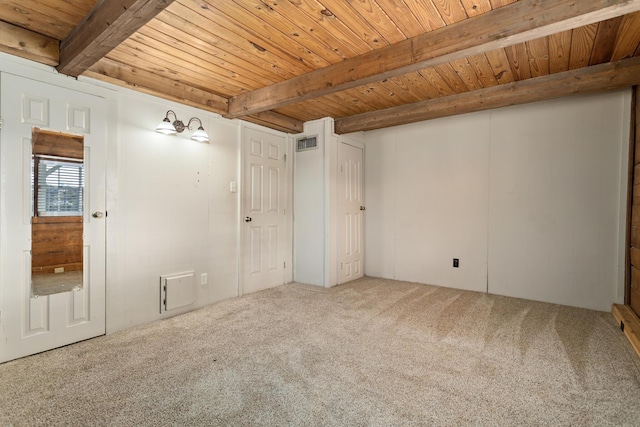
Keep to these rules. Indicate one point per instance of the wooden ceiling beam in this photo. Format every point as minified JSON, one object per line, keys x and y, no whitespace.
{"x":157,"y":85}
{"x":153,"y":84}
{"x":518,"y":22}
{"x":608,"y":76}
{"x":108,"y":24}
{"x":277,"y":121}
{"x":27,"y":44}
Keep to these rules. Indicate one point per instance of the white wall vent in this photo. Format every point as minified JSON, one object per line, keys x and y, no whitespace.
{"x":177,"y":290}
{"x":307,"y":143}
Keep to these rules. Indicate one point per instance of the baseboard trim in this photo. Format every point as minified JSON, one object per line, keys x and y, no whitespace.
{"x":629,"y":323}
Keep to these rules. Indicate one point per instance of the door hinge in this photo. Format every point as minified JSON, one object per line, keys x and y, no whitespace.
{"x":285,"y":157}
{"x":341,"y":265}
{"x":285,"y":264}
{"x":0,"y":123}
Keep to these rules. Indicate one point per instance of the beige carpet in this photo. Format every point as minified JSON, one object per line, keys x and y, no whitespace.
{"x":372,"y":352}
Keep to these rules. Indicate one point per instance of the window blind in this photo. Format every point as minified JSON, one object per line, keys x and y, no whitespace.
{"x":59,"y":189}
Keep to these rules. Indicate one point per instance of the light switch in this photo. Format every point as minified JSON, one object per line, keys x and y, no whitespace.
{"x":233,"y":187}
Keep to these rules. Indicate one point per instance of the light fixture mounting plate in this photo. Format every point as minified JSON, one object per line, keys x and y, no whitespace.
{"x":179,"y":126}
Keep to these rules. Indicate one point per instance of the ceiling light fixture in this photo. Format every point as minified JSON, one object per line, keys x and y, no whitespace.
{"x":177,"y":126}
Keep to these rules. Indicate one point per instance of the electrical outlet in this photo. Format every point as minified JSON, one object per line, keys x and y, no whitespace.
{"x":58,"y":270}
{"x":203,"y":279}
{"x":456,"y":262}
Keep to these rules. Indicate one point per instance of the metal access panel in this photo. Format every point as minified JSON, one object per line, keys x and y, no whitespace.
{"x":177,"y":290}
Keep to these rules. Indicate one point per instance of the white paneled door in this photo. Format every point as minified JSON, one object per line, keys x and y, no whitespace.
{"x":33,"y":324}
{"x":350,"y":212}
{"x":264,"y":201}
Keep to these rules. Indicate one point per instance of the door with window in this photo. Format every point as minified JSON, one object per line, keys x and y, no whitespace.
{"x":52,"y":228}
{"x":264,"y":216}
{"x":350,"y":212}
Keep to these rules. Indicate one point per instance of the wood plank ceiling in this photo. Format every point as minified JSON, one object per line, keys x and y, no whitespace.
{"x":366,"y":63}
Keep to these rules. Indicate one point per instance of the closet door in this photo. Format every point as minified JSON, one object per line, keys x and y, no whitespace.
{"x":350,"y":212}
{"x":264,"y":215}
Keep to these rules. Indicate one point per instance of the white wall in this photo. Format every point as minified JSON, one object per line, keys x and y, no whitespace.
{"x":557,"y":185}
{"x":315,"y":201}
{"x":530,"y":198}
{"x":175,"y":210}
{"x":309,"y":209}
{"x":168,"y":200}
{"x":426,"y":193}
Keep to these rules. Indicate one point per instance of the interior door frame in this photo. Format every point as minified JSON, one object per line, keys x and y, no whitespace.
{"x":288,"y":196}
{"x":114,"y":290}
